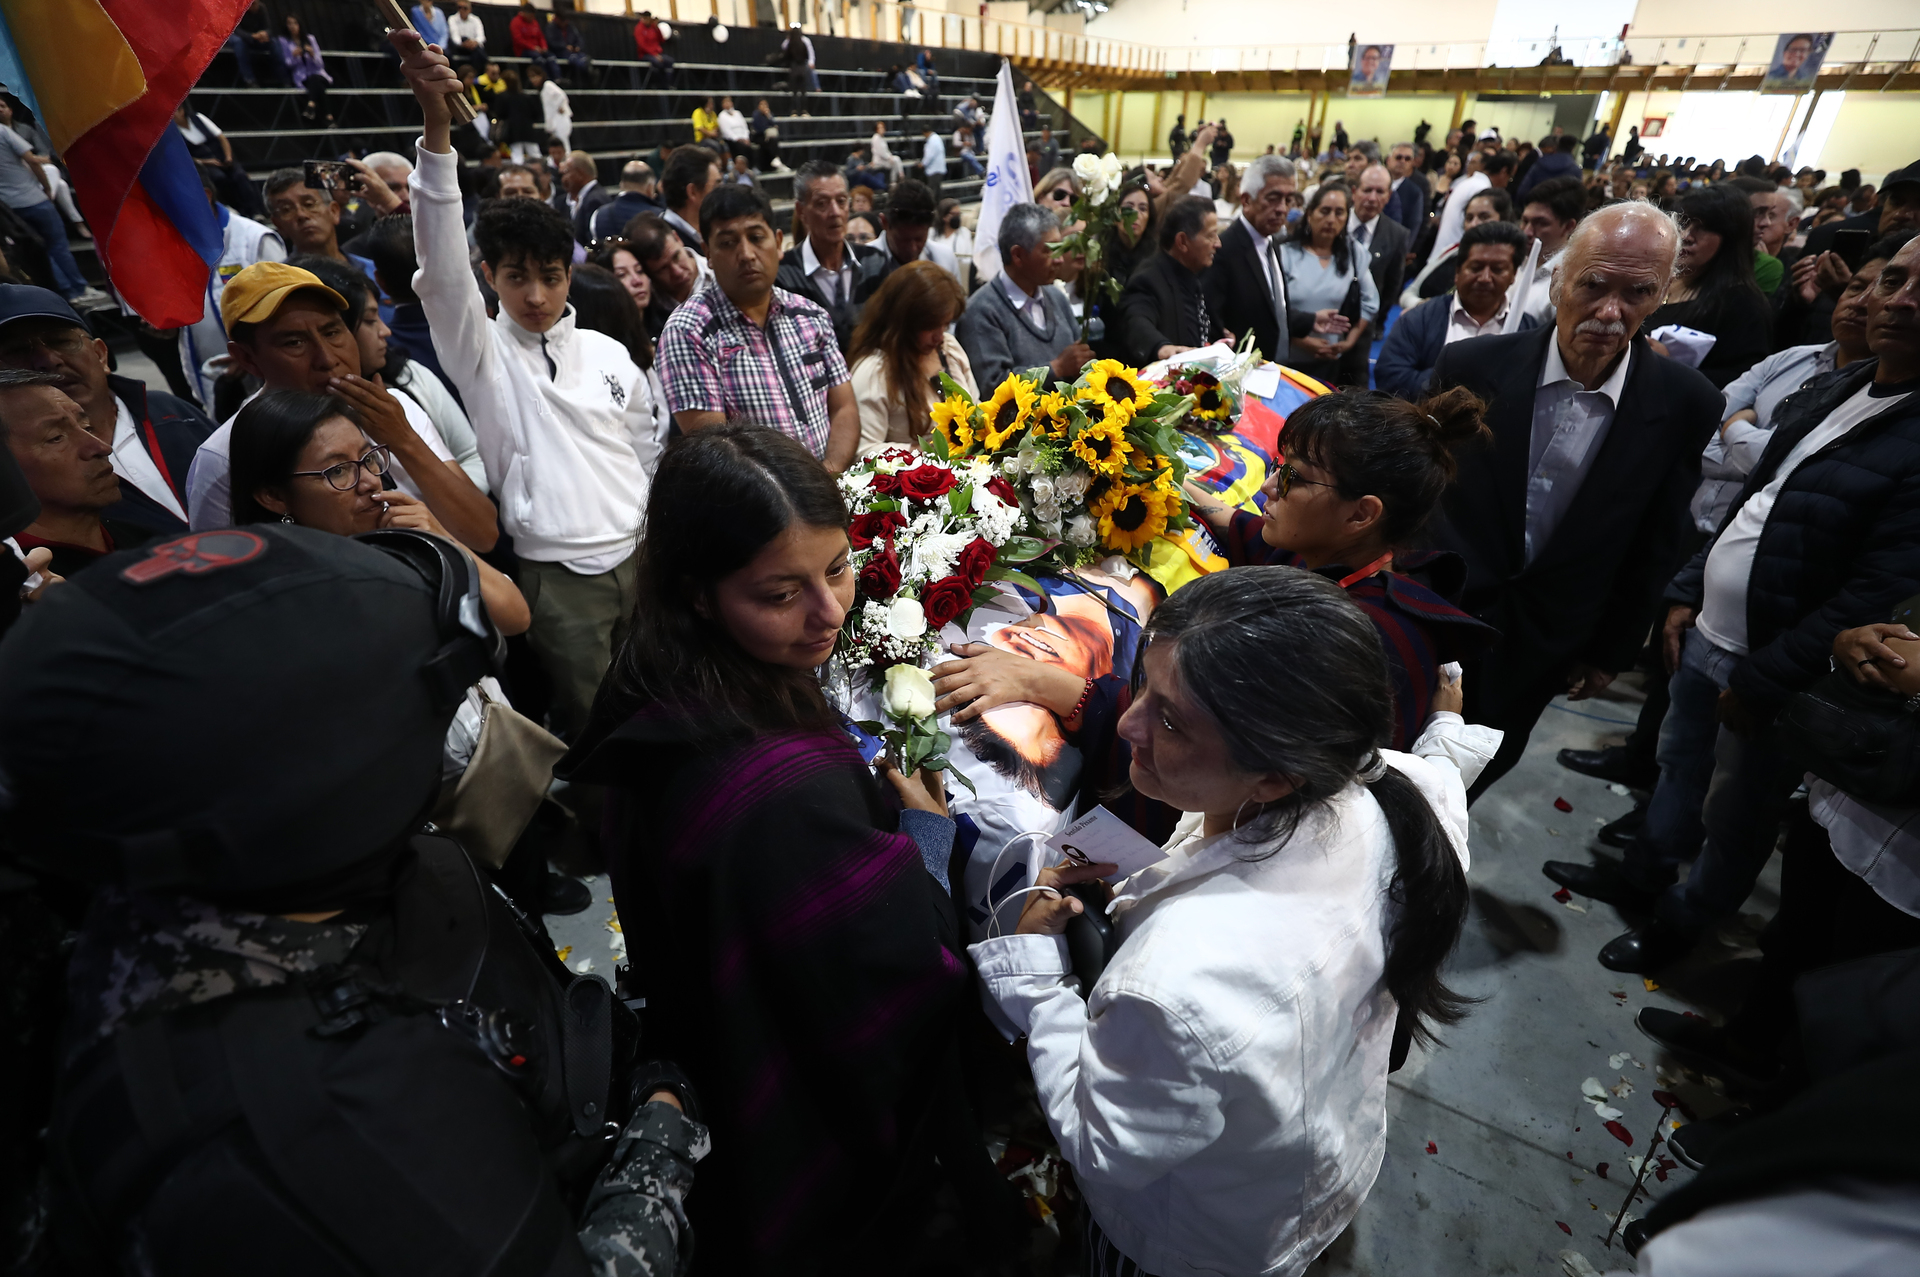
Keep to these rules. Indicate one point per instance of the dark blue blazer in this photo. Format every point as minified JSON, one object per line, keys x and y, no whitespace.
{"x":171,"y":430}
{"x":1407,"y":357}
{"x":1408,"y":204}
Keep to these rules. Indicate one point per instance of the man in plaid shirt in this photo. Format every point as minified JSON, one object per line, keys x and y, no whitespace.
{"x":742,"y":350}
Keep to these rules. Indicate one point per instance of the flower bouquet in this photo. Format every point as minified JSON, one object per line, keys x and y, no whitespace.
{"x":1086,"y":470}
{"x":1210,"y":380}
{"x":1096,"y":211}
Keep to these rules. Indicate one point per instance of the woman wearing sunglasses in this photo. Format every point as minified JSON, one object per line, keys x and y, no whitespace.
{"x":302,"y":458}
{"x":1056,"y":192}
{"x":1362,"y":472}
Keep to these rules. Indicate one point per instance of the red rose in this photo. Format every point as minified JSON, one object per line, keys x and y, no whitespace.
{"x":885,"y":484}
{"x":880,"y":579}
{"x":999,"y":487}
{"x":975,"y":560}
{"x":924,"y":483}
{"x":868,"y":528}
{"x":946,"y":599}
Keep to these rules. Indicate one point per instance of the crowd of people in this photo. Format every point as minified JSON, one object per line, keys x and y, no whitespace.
{"x":548,"y":475}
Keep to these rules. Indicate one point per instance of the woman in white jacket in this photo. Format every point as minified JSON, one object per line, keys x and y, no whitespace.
{"x":1221,"y":1092}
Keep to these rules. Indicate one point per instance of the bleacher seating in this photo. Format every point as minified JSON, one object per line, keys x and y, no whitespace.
{"x":618,"y":113}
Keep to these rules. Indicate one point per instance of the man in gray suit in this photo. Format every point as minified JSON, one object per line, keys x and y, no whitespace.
{"x":1018,"y":319}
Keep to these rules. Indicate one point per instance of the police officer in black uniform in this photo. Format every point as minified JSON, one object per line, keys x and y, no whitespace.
{"x":301,"y":1037}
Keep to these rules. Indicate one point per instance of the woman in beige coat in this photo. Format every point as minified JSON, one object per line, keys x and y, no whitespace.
{"x":899,"y":351}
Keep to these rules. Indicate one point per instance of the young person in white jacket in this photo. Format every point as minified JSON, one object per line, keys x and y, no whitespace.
{"x":1221,"y":1090}
{"x":556,"y":111}
{"x":563,"y":416}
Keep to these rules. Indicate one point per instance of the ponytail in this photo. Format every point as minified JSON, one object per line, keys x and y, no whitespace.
{"x":1429,"y":907}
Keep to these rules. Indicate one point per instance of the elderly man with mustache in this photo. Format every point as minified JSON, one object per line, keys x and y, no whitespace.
{"x":1572,"y":517}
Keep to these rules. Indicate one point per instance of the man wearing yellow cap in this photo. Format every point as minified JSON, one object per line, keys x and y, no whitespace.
{"x":291,"y":331}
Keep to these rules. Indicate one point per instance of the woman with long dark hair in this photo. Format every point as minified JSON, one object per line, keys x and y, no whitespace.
{"x":900,"y":348}
{"x":1321,"y":274}
{"x":305,"y":69}
{"x":602,"y":303}
{"x":1220,"y":1091}
{"x":1713,"y":290}
{"x":1363,"y":473}
{"x":789,"y":925}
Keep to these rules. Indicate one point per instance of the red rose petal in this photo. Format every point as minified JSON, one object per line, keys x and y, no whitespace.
{"x":1665,"y":1099}
{"x":1667,"y":1163}
{"x":1660,"y":1173}
{"x":1600,"y":1169}
{"x":1620,"y":1133}
{"x":1432,"y":1147}
{"x":1563,"y":895}
{"x":1563,"y":1228}
{"x":1561,"y":804}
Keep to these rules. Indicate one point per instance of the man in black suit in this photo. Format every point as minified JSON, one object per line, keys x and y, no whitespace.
{"x":1385,"y":243}
{"x":1245,"y":288}
{"x":1407,"y":204}
{"x":580,"y":195}
{"x":1164,"y":310}
{"x":825,"y":267}
{"x":1572,"y":518}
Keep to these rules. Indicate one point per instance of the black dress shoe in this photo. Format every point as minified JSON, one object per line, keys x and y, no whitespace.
{"x":1645,"y":950}
{"x":1625,"y":831}
{"x":1697,"y":1044}
{"x":1601,"y":881}
{"x":1694,"y":1143}
{"x":1635,"y":1235}
{"x":1616,"y":763}
{"x":563,"y":895}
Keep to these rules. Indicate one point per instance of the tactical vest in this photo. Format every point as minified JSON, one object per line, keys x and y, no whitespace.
{"x":440,"y":1103}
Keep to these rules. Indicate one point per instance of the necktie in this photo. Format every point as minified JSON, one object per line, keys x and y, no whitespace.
{"x":1360,"y":234}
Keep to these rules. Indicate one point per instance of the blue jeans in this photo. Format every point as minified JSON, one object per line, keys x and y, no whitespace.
{"x":47,"y":223}
{"x":1719,"y":800}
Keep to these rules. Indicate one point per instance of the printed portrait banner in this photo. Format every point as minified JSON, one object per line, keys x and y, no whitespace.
{"x":1372,"y":64}
{"x":1797,"y":56}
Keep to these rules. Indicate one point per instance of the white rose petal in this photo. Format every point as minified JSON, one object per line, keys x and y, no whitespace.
{"x":906,"y":619}
{"x":909,"y":692}
{"x":1081,"y":531}
{"x":1111,"y":168}
{"x":1042,"y":489}
{"x":1086,"y":166}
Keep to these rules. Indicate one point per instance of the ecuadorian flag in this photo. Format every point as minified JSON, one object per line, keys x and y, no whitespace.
{"x":104,"y":77}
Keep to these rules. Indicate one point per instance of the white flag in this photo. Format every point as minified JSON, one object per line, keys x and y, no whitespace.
{"x":1008,"y":181}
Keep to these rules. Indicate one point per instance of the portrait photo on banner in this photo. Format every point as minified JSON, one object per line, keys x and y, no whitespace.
{"x":1796,"y":61}
{"x":1372,"y":63}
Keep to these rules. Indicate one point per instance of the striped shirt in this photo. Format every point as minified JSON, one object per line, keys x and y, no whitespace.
{"x":714,"y":359}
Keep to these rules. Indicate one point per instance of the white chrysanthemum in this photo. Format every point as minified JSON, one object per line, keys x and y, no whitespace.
{"x":935,"y":555}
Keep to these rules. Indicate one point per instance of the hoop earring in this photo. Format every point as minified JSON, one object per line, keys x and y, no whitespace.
{"x":1236,"y":813}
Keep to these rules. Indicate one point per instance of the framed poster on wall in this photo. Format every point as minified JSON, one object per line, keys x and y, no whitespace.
{"x":1653,"y":126}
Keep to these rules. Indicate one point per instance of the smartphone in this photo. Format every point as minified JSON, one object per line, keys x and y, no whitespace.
{"x":1851,"y":245}
{"x":330,"y":175}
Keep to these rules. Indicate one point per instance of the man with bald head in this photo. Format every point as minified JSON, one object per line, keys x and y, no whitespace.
{"x":580,"y":195}
{"x":1572,"y":515}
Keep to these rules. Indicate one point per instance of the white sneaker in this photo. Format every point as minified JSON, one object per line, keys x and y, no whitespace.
{"x":781,"y":166}
{"x":92,"y":299}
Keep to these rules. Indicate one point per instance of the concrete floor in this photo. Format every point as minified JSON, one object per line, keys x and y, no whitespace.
{"x":1501,"y":1104}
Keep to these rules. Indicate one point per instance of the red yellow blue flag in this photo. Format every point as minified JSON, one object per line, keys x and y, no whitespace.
{"x":104,"y":77}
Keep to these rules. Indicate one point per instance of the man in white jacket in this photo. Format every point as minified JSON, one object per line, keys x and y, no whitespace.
{"x":564,"y":417}
{"x":558,"y":112}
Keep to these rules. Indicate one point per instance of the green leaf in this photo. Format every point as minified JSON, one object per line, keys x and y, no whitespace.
{"x":1020,"y":550}
{"x":960,"y":500}
{"x":872,"y":727}
{"x":1018,"y":578}
{"x":951,"y":389}
{"x":936,"y":445}
{"x":883,"y":505}
{"x":942,"y":743}
{"x":982,"y":595}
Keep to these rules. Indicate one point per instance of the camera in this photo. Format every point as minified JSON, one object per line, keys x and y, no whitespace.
{"x":330,"y":175}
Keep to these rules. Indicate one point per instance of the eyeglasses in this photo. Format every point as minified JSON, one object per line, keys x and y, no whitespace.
{"x":346,"y":475}
{"x":610,"y":242}
{"x":1063,"y":194}
{"x":1286,"y":474}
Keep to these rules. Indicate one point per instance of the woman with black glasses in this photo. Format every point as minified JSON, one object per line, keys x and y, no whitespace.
{"x":1362,"y":472}
{"x":303,"y":458}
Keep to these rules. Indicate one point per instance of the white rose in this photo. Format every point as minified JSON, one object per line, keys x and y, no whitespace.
{"x":1086,"y":167}
{"x":909,"y":691}
{"x":1072,"y":486}
{"x":905,"y":620}
{"x":1048,"y":512}
{"x":1080,"y":530}
{"x":1111,"y":169}
{"x":1042,"y":490}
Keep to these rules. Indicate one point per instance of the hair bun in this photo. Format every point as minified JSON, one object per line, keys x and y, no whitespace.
{"x":1453,"y":416}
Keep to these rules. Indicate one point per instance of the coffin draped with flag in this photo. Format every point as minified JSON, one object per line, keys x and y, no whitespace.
{"x":104,"y":77}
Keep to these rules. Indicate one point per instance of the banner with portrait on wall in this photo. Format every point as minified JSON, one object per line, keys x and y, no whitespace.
{"x":1372,"y":64}
{"x":1797,"y":56}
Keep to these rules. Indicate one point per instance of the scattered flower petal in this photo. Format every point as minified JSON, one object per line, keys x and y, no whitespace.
{"x":1620,"y":1133}
{"x":1553,"y":831}
{"x":564,"y":952}
{"x":1620,"y":789}
{"x":583,"y":966}
{"x":1623,"y":1090}
{"x":1607,"y":1112}
{"x":1617,"y":1059}
{"x":1651,"y":986}
{"x":1634,"y":1164}
{"x":1432,"y":1147}
{"x":1592,"y":1089}
{"x":1666,"y":1099}
{"x":1561,"y":804}
{"x":1563,"y":1228}
{"x":1573,"y":906}
{"x":1563,"y":895}
{"x":1600,"y":1169}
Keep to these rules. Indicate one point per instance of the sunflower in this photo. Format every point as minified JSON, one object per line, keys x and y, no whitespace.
{"x":1050,"y":415}
{"x":1119,"y":384}
{"x":953,"y":418}
{"x":1132,"y":515}
{"x":1009,"y":412}
{"x":1210,"y":401}
{"x":1101,"y":408}
{"x":1103,"y":446}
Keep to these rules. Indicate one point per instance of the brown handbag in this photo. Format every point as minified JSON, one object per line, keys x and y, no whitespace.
{"x":495,"y":799}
